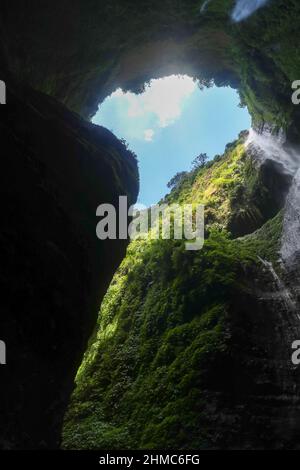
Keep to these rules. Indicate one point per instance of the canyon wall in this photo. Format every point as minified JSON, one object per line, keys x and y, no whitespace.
{"x":56,"y":170}
{"x":194,"y":348}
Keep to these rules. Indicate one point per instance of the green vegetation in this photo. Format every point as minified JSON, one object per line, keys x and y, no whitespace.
{"x":233,"y":190}
{"x":267,"y":57}
{"x":264,"y":242}
{"x":162,"y":347}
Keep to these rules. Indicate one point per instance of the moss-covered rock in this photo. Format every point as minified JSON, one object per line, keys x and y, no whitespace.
{"x":239,"y":193}
{"x":171,"y":346}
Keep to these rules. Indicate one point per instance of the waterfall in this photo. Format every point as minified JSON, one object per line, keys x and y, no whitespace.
{"x":291,"y":225}
{"x":283,"y":291}
{"x":204,"y":6}
{"x":273,"y":147}
{"x":244,"y":8}
{"x":267,"y":146}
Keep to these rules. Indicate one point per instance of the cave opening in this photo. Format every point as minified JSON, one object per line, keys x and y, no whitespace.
{"x":168,"y":124}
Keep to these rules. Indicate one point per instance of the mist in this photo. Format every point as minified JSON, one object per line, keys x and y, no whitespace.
{"x":244,"y":8}
{"x":271,"y":147}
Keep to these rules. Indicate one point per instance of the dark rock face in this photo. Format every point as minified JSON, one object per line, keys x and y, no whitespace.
{"x":259,"y":408}
{"x":80,"y":51}
{"x":106,"y":45}
{"x":56,"y":170}
{"x":263,"y":195}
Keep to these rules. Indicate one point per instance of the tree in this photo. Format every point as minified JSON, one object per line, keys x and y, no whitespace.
{"x":205,"y":83}
{"x":199,"y":161}
{"x":126,"y":145}
{"x":176,"y":179}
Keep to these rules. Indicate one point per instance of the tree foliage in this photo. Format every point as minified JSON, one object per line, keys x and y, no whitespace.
{"x":199,"y":161}
{"x":176,"y":179}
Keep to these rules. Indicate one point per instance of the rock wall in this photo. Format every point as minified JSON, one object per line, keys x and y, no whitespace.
{"x":193,"y":349}
{"x":56,"y":170}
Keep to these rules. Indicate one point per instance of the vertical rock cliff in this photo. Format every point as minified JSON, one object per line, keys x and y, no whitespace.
{"x":193,"y":349}
{"x":56,"y":170}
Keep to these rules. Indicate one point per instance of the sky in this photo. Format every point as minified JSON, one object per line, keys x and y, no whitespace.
{"x":169,"y":125}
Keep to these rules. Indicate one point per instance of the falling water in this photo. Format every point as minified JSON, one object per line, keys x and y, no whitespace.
{"x":204,"y":6}
{"x":244,"y":8}
{"x":270,"y":147}
{"x":285,"y":294}
{"x":291,"y":225}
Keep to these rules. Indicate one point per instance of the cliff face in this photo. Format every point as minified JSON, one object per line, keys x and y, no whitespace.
{"x":56,"y":170}
{"x":193,"y":349}
{"x":207,"y":331}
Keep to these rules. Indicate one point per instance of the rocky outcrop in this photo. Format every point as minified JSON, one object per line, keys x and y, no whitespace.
{"x":260,"y":407}
{"x":56,"y":169}
{"x":194,"y":350}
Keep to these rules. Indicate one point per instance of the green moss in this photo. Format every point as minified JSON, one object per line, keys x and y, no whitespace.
{"x":265,"y":242}
{"x":163,"y":336}
{"x":268,"y":62}
{"x":142,"y":365}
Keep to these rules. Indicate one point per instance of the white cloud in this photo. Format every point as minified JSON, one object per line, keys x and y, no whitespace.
{"x":118,"y":93}
{"x":163,"y":97}
{"x":148,"y":135}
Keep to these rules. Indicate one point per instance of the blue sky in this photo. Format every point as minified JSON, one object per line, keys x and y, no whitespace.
{"x":169,"y":125}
